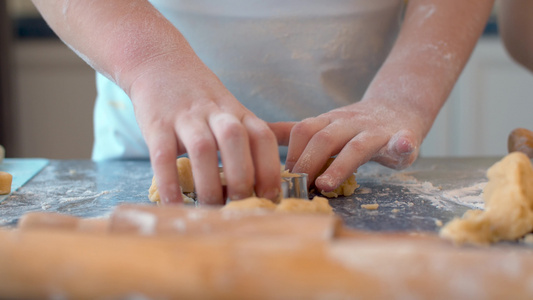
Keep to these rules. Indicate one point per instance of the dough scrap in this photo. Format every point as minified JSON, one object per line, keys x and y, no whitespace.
{"x":373,"y":206}
{"x":287,"y":205}
{"x":347,"y":188}
{"x":508,"y":213}
{"x":185,"y":174}
{"x":5,"y":183}
{"x":183,"y":165}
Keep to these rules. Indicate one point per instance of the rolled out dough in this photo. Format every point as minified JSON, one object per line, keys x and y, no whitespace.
{"x":288,"y":205}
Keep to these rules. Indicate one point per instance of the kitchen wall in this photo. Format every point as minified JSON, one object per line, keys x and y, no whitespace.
{"x":5,"y":75}
{"x":493,"y":96}
{"x":54,"y":93}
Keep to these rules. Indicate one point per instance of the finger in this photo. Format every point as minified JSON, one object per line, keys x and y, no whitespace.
{"x":265,"y":157}
{"x":324,"y":144}
{"x":356,"y":152}
{"x":233,"y":143}
{"x":202,"y":150}
{"x":300,"y":135}
{"x":282,"y":131}
{"x":400,"y":152}
{"x":163,"y":149}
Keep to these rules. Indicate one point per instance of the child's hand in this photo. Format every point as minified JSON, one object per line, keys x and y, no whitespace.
{"x":367,"y":130}
{"x":184,"y":108}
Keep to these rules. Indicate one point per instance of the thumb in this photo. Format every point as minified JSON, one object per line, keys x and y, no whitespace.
{"x":282,"y":130}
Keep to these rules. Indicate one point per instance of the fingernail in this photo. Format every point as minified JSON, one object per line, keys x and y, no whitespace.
{"x":272,"y":194}
{"x":403,"y":146}
{"x":289,"y":164}
{"x":241,"y":196}
{"x":325,"y":182}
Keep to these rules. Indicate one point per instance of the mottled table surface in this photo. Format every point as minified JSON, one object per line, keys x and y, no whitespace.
{"x":420,"y":198}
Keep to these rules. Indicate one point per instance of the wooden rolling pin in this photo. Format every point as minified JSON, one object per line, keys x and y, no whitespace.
{"x":66,"y":264}
{"x":165,"y":253}
{"x":52,"y":220}
{"x":521,"y":139}
{"x":186,"y":220}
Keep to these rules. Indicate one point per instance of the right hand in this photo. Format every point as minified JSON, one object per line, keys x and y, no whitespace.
{"x":182,"y":107}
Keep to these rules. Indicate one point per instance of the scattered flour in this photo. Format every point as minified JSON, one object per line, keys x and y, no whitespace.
{"x":469,"y":196}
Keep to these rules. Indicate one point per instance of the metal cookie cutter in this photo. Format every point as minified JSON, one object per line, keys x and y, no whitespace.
{"x":294,"y":185}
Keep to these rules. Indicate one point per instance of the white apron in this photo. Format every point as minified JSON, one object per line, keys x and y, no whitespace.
{"x":285,"y":60}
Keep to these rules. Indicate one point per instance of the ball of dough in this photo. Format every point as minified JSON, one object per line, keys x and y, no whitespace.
{"x":5,"y":183}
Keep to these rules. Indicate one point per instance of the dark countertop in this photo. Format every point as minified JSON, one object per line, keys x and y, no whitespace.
{"x":432,"y":191}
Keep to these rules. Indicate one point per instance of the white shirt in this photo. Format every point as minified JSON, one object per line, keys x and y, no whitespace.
{"x":285,"y":60}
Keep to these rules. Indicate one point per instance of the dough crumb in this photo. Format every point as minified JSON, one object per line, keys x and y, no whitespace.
{"x":5,"y":183}
{"x":508,"y":213}
{"x":370,"y":206}
{"x":287,"y":205}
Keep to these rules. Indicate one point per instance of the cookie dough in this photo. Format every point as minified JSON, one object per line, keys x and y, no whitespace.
{"x":508,"y":213}
{"x":5,"y":183}
{"x":288,"y":205}
{"x":183,"y":164}
{"x":347,"y":188}
{"x":185,"y":174}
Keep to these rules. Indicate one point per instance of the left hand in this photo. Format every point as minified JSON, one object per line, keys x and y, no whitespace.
{"x":368,"y":130}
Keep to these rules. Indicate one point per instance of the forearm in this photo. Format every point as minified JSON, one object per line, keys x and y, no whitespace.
{"x":117,"y":38}
{"x":516,"y":29}
{"x":433,"y":46}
